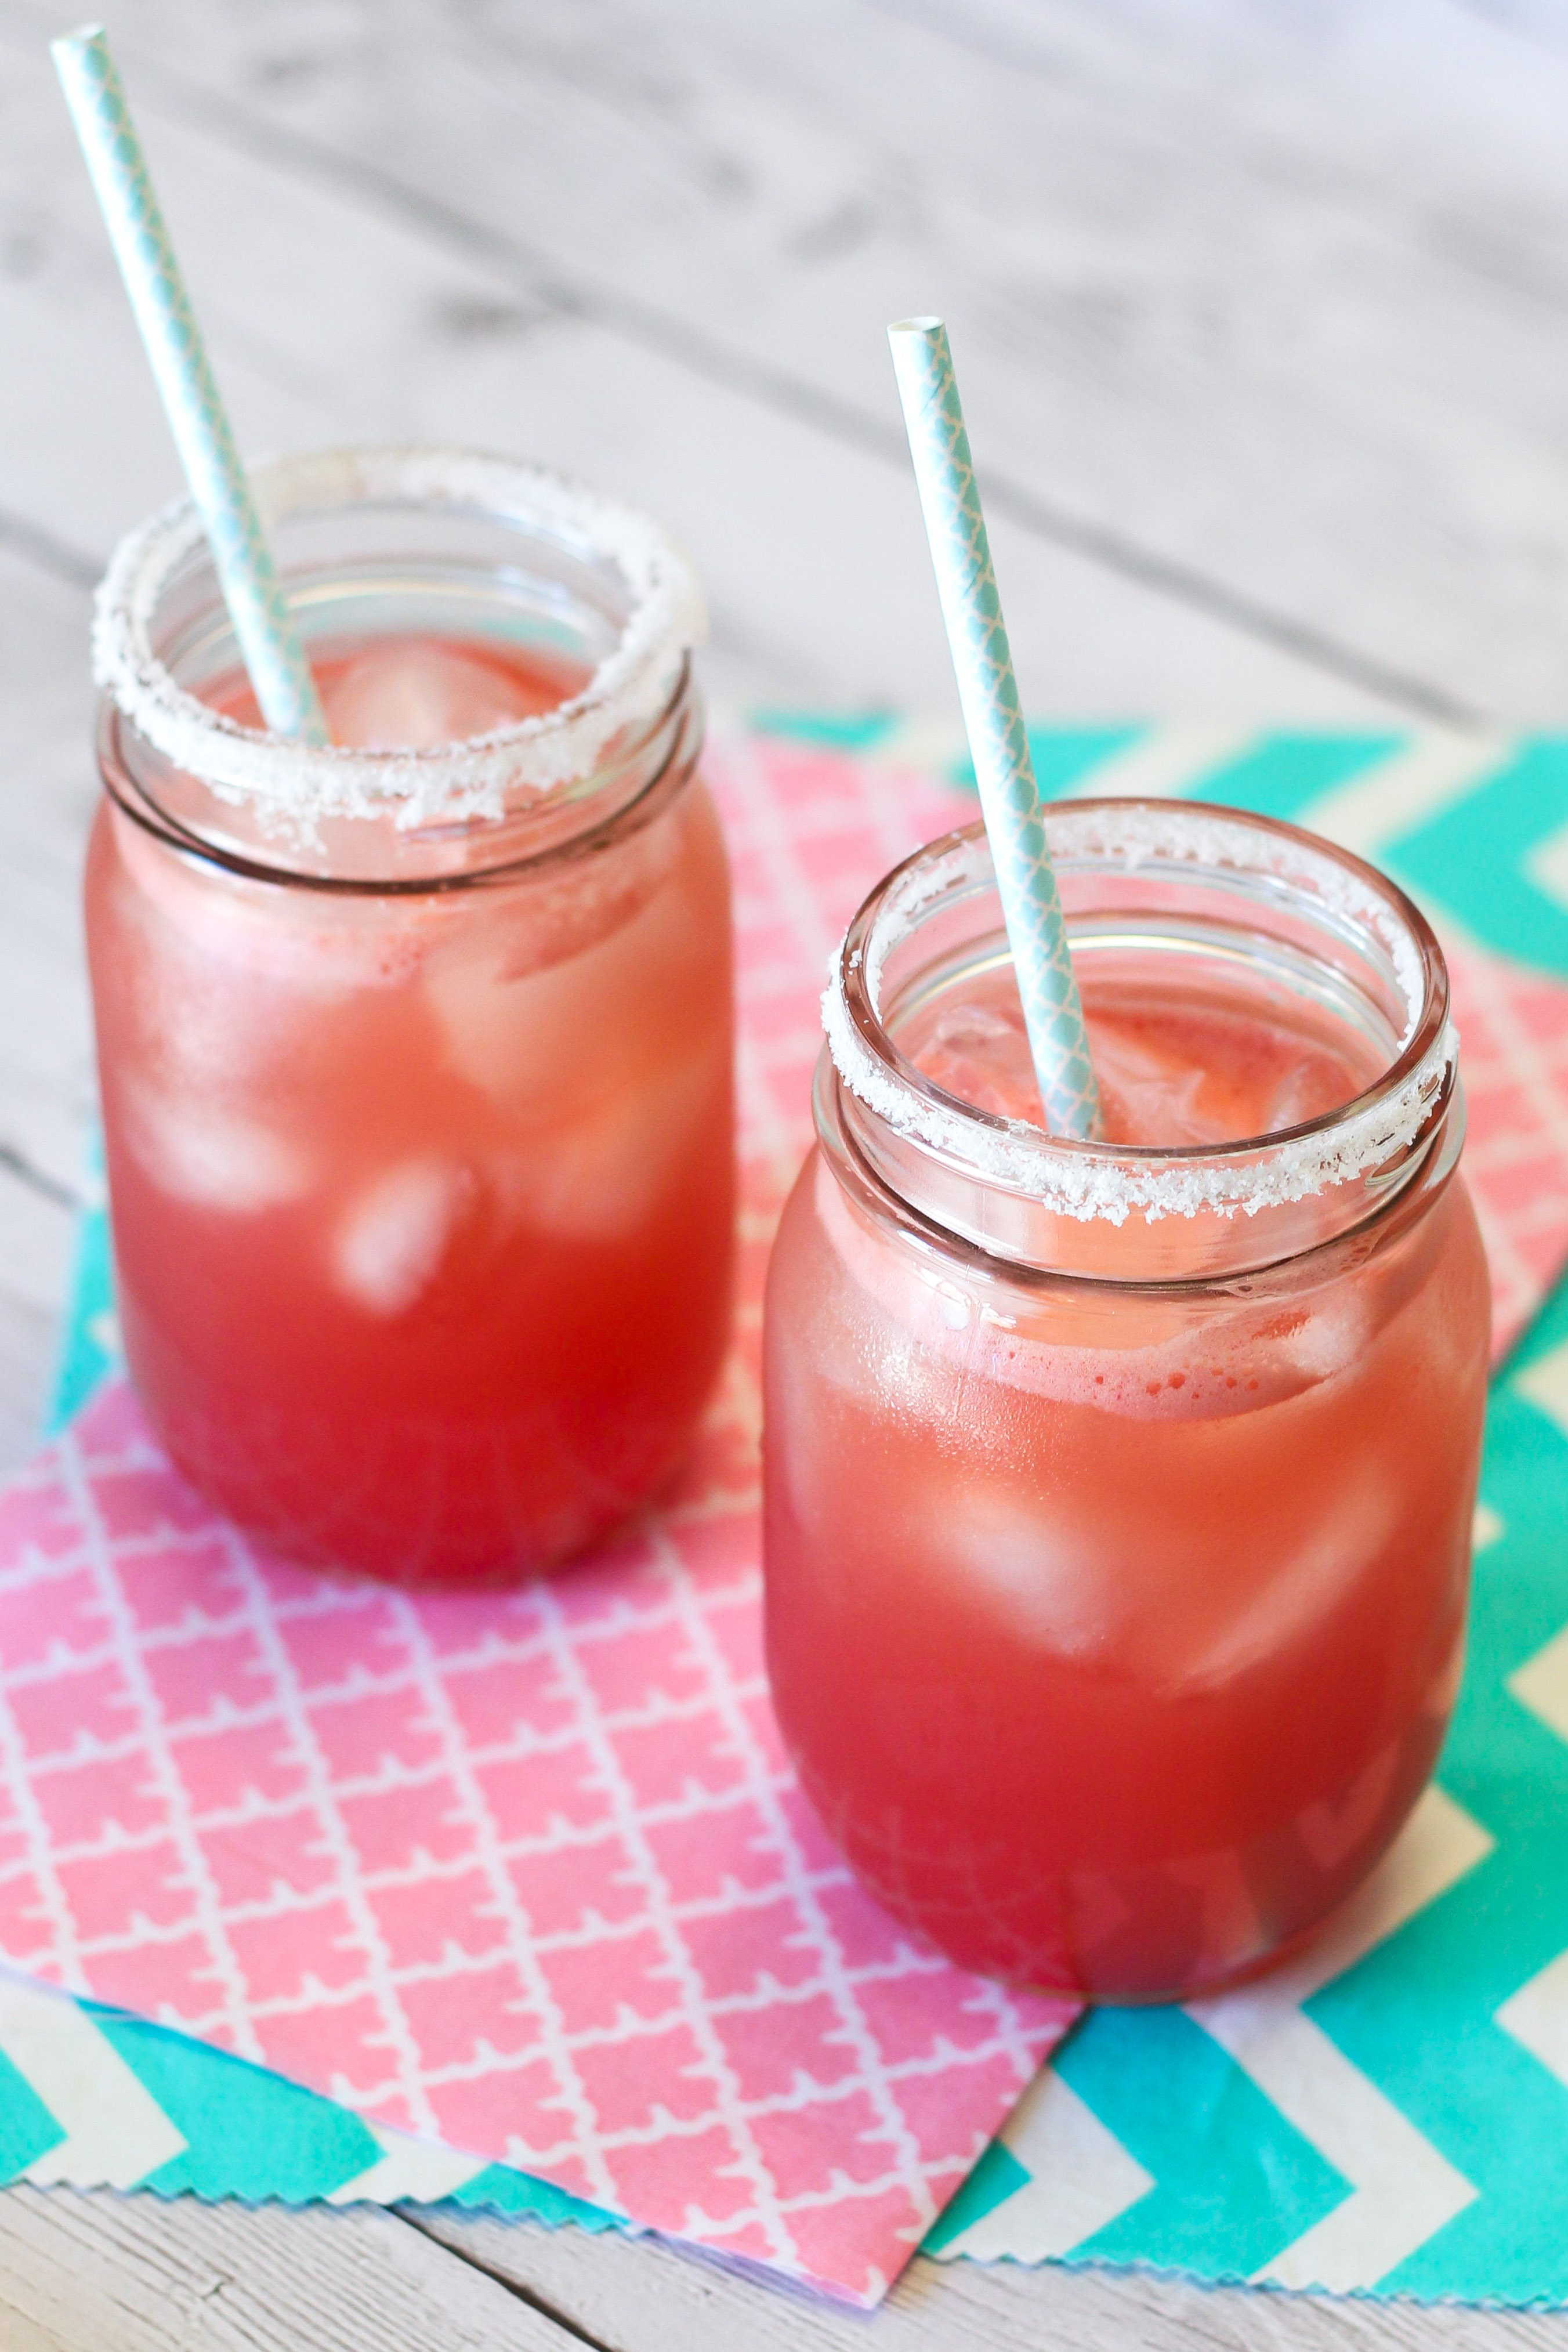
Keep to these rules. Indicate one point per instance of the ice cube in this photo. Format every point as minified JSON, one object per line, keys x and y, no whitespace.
{"x":981,"y":1054}
{"x":1029,"y":1564}
{"x":395,"y":1235}
{"x":1350,"y":1521}
{"x":210,"y":1158}
{"x":1317,"y":1083}
{"x":583,"y":1022}
{"x":1150,"y":1094}
{"x":522,"y":1040}
{"x":598,"y":1178}
{"x":1333,"y":1333}
{"x":411,"y":693}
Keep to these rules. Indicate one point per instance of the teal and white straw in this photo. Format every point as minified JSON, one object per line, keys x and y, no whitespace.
{"x":998,"y":743}
{"x":268,"y":641}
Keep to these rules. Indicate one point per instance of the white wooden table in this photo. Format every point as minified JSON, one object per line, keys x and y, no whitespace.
{"x":1262,"y":319}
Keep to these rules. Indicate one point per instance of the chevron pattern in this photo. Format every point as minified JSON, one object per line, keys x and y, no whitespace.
{"x":1390,"y":2113}
{"x":91,"y":2097}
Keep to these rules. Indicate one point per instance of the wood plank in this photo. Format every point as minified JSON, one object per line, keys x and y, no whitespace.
{"x":631,"y":2295}
{"x":35,"y":1237}
{"x":812,"y":548}
{"x":47,"y":792}
{"x":1274,"y":298}
{"x":105,"y":2273}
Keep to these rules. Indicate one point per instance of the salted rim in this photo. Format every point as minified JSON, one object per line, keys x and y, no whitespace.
{"x":306,"y":782}
{"x":1086,"y":1181}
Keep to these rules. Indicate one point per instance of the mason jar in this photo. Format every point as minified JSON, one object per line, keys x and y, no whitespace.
{"x":415,"y":1054}
{"x":1119,"y":1498}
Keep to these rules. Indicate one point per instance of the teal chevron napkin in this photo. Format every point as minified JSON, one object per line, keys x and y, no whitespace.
{"x":1391,"y":2114}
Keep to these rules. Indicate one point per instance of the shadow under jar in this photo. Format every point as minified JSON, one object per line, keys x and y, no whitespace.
{"x":416,"y":1062}
{"x":1119,"y":1501}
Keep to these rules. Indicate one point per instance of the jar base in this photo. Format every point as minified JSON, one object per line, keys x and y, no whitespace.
{"x":1208,"y":1988}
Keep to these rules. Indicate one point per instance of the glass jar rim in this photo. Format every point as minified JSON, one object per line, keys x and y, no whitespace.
{"x":632,"y":684}
{"x":627,"y":794}
{"x":1379,"y":1137}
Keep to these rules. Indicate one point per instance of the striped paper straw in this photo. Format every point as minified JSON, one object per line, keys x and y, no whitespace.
{"x":268,"y":641}
{"x":998,"y":743}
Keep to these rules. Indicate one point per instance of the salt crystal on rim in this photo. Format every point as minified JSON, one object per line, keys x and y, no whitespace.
{"x":305,"y":782}
{"x":1084,"y":1181}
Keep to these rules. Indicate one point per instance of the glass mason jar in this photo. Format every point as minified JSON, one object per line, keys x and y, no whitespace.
{"x":1119,"y":1501}
{"x":416,"y":1063}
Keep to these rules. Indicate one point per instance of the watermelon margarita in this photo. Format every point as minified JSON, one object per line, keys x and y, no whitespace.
{"x":1119,"y":1498}
{"x":419,"y":1133}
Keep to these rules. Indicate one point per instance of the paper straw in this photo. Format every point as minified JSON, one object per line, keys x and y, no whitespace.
{"x":999,"y":741}
{"x":268,"y":642}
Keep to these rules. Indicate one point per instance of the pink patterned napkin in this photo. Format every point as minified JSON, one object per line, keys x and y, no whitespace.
{"x":530,"y":1873}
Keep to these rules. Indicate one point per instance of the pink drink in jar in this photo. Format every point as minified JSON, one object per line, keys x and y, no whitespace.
{"x":1119,"y":1496}
{"x":415,"y":1054}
